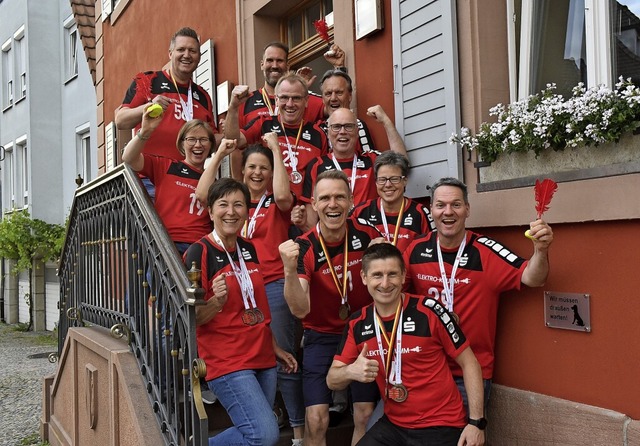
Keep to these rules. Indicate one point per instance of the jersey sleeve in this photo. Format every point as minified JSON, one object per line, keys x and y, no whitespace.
{"x":347,"y":349}
{"x":305,"y":259}
{"x":253,"y":131}
{"x":134,"y":98}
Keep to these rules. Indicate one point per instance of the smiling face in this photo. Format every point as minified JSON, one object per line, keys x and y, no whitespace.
{"x":332,"y":200}
{"x":450,"y":213}
{"x":228,"y":213}
{"x":343,"y":141}
{"x":335,"y":94}
{"x":292,"y":98}
{"x":273,"y":65}
{"x":390,"y":193}
{"x":185,"y":56}
{"x":197,"y":146}
{"x":384,"y":279}
{"x":257,"y":174}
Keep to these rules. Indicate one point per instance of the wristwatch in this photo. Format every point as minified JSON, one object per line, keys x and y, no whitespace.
{"x":480,"y":423}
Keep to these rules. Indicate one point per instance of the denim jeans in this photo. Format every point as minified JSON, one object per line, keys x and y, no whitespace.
{"x":150,"y":187}
{"x":285,"y":327}
{"x":463,"y":392}
{"x":247,"y":396}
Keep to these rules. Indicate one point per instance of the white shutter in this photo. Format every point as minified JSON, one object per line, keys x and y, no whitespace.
{"x":110,"y":146}
{"x":427,"y":105}
{"x":107,"y":9}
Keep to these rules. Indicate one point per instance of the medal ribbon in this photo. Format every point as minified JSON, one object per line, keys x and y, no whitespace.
{"x":188,"y":107}
{"x":354,"y":169}
{"x":241,"y":273}
{"x":250,"y":226}
{"x":396,"y":335}
{"x":267,"y":101}
{"x":448,"y":285}
{"x":293,"y":160}
{"x":342,"y":289}
{"x":386,"y":226}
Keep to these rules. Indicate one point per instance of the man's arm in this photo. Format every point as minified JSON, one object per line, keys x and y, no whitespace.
{"x":127,"y":118}
{"x":396,"y":143}
{"x":239,"y":94}
{"x":537,"y":269}
{"x":296,"y":290}
{"x":362,"y":370}
{"x":472,"y":375}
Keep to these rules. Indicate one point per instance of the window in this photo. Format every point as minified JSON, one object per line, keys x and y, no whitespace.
{"x":9,"y":176}
{"x":24,"y":171}
{"x":70,"y":49}
{"x":83,"y":153}
{"x":564,"y":42}
{"x":7,"y":75}
{"x":20,"y":65}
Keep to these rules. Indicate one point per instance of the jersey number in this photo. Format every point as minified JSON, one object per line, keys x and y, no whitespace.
{"x":195,"y":204}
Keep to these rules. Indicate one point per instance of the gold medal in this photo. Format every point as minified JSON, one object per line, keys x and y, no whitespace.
{"x":397,"y":392}
{"x":344,"y":311}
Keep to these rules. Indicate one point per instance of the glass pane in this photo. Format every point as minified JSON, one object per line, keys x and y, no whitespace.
{"x":295,"y":30}
{"x":312,"y":14}
{"x":328,"y":6}
{"x":625,"y":39}
{"x":319,"y":65}
{"x":558,"y":54}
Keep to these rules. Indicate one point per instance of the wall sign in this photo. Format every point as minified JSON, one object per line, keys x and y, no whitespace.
{"x":570,"y":311}
{"x":368,"y":17}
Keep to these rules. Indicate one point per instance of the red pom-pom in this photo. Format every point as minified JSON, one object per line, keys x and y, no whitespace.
{"x":323,"y":29}
{"x":143,"y":84}
{"x":544,"y":191}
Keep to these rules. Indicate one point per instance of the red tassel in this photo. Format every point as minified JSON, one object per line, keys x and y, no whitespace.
{"x":143,"y":84}
{"x":323,"y":29}
{"x":544,"y":191}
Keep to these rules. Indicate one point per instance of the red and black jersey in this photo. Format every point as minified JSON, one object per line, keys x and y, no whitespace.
{"x":163,"y":139}
{"x":185,"y":219}
{"x":312,"y":142}
{"x":365,"y":139}
{"x":365,"y":187}
{"x":324,"y":295}
{"x":272,"y":228}
{"x":255,"y":107}
{"x":486,"y":270}
{"x":416,"y":220}
{"x":225,"y":343}
{"x":430,"y":336}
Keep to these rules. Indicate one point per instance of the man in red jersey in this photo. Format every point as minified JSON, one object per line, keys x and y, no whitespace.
{"x":466,"y":272}
{"x":402,"y":342}
{"x":321,"y":269}
{"x":300,"y":141}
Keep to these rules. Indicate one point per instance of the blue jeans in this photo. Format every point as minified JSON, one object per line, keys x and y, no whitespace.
{"x":150,"y":187}
{"x":247,"y":396}
{"x":463,"y":392}
{"x":285,"y":328}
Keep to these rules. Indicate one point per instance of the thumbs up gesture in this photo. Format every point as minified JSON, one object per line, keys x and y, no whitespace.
{"x":364,"y":370}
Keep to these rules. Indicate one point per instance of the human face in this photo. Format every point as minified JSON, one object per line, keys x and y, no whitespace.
{"x":197,"y":153}
{"x":343,"y":142}
{"x":335,"y":94}
{"x":384,"y":279}
{"x":273,"y":65}
{"x":332,"y":200}
{"x":390,"y":193}
{"x":257,"y":174}
{"x":228,"y":214}
{"x":292,"y":102}
{"x":185,"y":56}
{"x":449,"y":212}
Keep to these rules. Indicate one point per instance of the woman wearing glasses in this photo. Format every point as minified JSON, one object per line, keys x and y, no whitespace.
{"x":397,"y":217}
{"x":185,"y":218}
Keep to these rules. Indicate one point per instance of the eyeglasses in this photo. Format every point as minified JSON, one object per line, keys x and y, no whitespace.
{"x":393,"y":180}
{"x":284,"y":98}
{"x":192,"y":141}
{"x":347,"y":127}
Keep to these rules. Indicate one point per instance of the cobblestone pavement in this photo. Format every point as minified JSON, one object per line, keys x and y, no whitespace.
{"x":21,"y":383}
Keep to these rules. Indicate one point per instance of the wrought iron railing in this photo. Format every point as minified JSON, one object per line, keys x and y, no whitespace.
{"x":120,"y":270}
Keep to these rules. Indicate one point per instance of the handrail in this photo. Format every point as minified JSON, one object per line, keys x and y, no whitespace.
{"x":120,"y":270}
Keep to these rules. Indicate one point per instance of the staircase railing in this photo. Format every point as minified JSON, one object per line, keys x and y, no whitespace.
{"x":120,"y":270}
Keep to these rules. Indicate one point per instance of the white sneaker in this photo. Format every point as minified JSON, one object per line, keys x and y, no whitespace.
{"x":208,"y":397}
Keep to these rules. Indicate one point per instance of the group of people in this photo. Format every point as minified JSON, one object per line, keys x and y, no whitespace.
{"x":313,"y":248}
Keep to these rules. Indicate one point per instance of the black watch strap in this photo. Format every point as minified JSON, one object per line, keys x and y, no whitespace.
{"x":480,"y":423}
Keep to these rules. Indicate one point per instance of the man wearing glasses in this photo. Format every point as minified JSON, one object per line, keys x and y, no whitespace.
{"x":398,"y":218}
{"x":343,"y":136}
{"x":300,"y":141}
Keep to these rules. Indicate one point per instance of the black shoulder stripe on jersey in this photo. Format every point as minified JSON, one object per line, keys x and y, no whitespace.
{"x":501,"y":251}
{"x":182,"y":170}
{"x":363,"y":329}
{"x":453,"y":330}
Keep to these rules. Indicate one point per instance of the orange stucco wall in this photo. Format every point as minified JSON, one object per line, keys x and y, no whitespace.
{"x":139,"y":41}
{"x":599,"y":368}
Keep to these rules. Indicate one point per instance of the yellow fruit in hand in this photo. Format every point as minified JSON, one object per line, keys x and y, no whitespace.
{"x":155,"y":110}
{"x":528,"y":235}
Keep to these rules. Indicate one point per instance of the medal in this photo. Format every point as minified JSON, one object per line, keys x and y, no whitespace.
{"x":249,"y":317}
{"x":448,"y":284}
{"x":344,"y":311}
{"x":296,"y":177}
{"x":259,"y":315}
{"x":455,"y":317}
{"x":398,"y":393}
